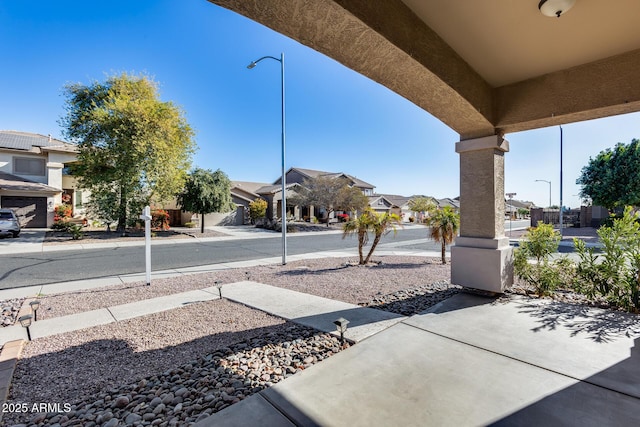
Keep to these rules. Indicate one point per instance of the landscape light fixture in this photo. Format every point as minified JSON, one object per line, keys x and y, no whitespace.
{"x":284,"y":181}
{"x":555,"y":8}
{"x":25,"y":322}
{"x":219,"y":286}
{"x":35,"y":305}
{"x":341,"y":326}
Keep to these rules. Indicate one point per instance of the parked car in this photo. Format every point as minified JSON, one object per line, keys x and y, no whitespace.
{"x":9,"y":223}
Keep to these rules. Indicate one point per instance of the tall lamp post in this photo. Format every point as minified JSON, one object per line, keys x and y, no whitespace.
{"x":548,"y":182}
{"x":284,"y":184}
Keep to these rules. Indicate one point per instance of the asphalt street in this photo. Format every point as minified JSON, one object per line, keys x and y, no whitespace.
{"x":53,"y":267}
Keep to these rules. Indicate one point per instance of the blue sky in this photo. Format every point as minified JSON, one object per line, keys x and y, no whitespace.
{"x":337,"y":120}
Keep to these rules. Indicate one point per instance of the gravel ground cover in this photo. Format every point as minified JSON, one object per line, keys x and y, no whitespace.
{"x":169,"y":368}
{"x":9,"y":310}
{"x":335,"y":278}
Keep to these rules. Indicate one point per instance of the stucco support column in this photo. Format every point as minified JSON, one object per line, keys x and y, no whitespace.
{"x":481,"y":257}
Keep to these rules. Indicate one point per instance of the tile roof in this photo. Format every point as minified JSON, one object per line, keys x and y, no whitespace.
{"x":15,"y":183}
{"x":26,"y":141}
{"x":312,"y":173}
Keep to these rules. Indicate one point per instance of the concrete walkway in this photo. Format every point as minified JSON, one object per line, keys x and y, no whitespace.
{"x":468,"y":361}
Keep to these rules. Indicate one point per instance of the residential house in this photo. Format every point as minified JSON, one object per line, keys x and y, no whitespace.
{"x":32,"y":176}
{"x":242,"y":193}
{"x":512,"y":206}
{"x":453,"y":203}
{"x":392,"y":203}
{"x":298,"y":176}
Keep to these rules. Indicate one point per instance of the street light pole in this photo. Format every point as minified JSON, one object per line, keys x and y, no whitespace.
{"x":560,"y":181}
{"x":283,"y":179}
{"x":548,"y":182}
{"x":510,"y":196}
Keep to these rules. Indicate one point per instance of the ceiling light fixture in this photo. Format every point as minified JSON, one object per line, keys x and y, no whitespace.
{"x":555,"y":8}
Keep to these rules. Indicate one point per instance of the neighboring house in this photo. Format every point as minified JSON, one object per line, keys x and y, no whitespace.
{"x":512,"y":206}
{"x":32,"y":181}
{"x":454,"y":203}
{"x":298,"y":176}
{"x":242,"y":193}
{"x":392,"y":203}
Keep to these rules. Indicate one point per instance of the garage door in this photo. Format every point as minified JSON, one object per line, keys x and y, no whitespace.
{"x":32,"y":211}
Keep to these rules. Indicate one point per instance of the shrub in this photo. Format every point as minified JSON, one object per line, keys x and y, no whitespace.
{"x":615,"y":274}
{"x":60,"y":224}
{"x":76,"y":231}
{"x":159,"y":219}
{"x":190,"y":224}
{"x":257,"y":209}
{"x":343,"y":217}
{"x":544,"y":275}
{"x":63,"y":211}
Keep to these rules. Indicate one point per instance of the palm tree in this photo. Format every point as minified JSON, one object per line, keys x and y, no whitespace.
{"x":379,"y":224}
{"x":360,"y":226}
{"x":444,"y":225}
{"x":382,"y":224}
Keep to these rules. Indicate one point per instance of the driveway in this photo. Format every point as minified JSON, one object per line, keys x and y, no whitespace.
{"x":30,"y":240}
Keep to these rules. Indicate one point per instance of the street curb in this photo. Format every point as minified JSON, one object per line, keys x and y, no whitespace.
{"x":9,"y":356}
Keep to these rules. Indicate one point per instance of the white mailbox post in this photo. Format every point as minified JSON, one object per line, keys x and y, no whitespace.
{"x":146,"y":216}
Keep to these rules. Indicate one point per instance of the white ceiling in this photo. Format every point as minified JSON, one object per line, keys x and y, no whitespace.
{"x":507,"y":41}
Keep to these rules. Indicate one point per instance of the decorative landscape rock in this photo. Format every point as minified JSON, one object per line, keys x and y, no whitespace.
{"x":9,"y":311}
{"x":195,"y":390}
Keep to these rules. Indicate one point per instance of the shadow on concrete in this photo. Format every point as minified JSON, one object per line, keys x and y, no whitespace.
{"x":586,"y":403}
{"x":606,"y":326}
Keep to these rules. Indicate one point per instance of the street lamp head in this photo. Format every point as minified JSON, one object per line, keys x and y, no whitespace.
{"x":252,"y":65}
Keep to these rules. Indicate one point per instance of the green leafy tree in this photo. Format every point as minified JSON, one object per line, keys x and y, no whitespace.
{"x":444,"y":224}
{"x":323,"y":192}
{"x":351,"y":199}
{"x":206,"y":192}
{"x":422,"y":206}
{"x":129,"y":142}
{"x":257,"y":209}
{"x":379,"y":224}
{"x":612,"y":178}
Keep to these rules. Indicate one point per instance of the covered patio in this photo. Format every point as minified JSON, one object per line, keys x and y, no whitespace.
{"x":485,"y":69}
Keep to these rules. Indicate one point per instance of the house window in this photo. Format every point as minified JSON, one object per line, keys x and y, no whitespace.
{"x":29,"y":166}
{"x":78,"y":199}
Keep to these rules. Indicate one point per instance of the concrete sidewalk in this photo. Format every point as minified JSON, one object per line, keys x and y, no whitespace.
{"x":309,"y":310}
{"x":468,"y":361}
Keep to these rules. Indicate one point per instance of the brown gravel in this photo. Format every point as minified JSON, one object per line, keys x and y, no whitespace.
{"x":327,"y":277}
{"x":73,"y":365}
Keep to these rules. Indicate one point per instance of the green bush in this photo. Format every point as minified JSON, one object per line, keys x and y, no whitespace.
{"x":257,"y":209}
{"x":76,"y":231}
{"x":614,"y":274}
{"x":544,"y":275}
{"x":190,"y":224}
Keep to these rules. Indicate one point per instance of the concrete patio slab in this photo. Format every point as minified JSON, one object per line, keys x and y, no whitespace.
{"x":407,"y":375}
{"x":255,"y":411}
{"x":585,"y":343}
{"x":311,"y":310}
